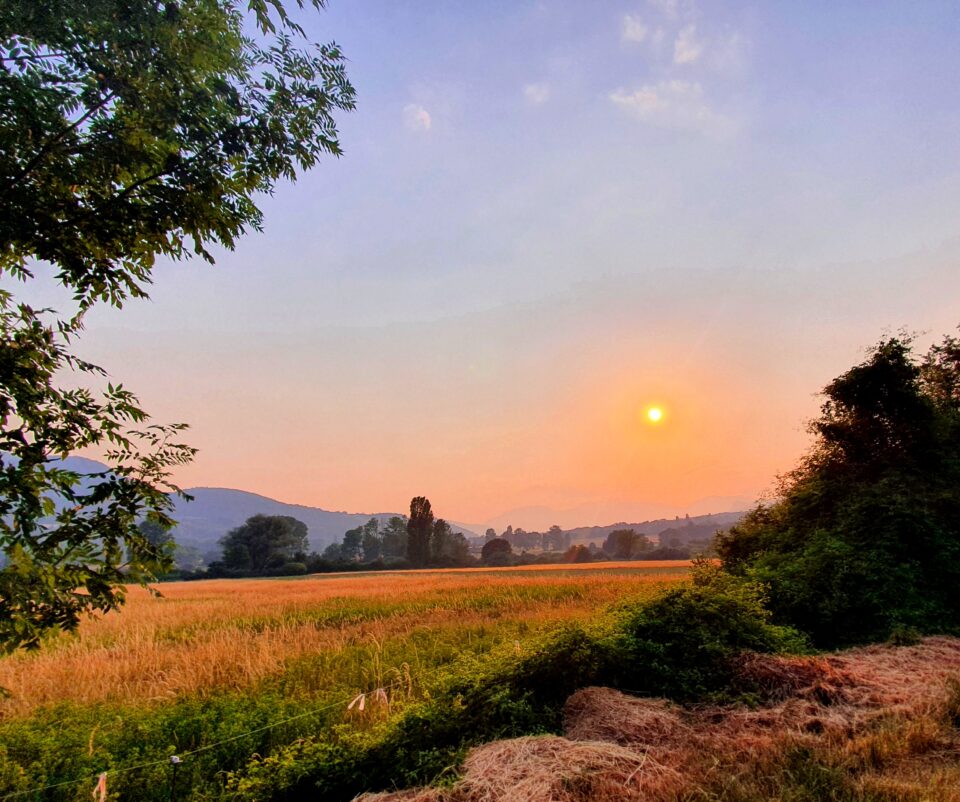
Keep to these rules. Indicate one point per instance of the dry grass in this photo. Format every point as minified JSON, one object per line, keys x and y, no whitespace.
{"x":881,"y":716}
{"x":230,"y":634}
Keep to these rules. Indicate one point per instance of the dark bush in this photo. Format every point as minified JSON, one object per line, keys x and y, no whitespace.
{"x":865,"y":539}
{"x":682,"y":644}
{"x":496,"y":552}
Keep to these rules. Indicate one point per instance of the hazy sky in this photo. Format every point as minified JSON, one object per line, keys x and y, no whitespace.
{"x":548,"y":216}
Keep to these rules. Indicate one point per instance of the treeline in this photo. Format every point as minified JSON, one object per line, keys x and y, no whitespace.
{"x":864,"y":541}
{"x":417,"y":541}
{"x":277,"y":545}
{"x":555,"y":545}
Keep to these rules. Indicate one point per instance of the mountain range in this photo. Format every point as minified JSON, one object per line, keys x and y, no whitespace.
{"x":214,"y":511}
{"x":667,"y":531}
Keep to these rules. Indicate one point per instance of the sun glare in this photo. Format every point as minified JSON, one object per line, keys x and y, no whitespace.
{"x":654,"y":414}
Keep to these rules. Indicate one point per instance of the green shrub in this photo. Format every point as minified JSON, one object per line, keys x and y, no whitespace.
{"x":904,"y":636}
{"x":682,"y":644}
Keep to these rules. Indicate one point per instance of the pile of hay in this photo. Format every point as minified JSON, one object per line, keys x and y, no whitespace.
{"x":618,"y":747}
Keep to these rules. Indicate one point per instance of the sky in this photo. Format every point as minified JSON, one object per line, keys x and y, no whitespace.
{"x":548,"y":217}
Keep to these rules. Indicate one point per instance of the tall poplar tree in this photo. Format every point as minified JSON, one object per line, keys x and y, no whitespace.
{"x":419,"y":531}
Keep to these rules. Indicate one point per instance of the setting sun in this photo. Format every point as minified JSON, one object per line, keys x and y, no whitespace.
{"x":654,"y":414}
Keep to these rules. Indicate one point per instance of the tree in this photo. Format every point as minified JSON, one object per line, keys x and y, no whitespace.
{"x":130,"y":129}
{"x":496,"y":551}
{"x":578,"y":554}
{"x":458,"y":549}
{"x":866,"y":534}
{"x":72,"y":540}
{"x":521,"y":539}
{"x":135,"y":128}
{"x":371,"y":543}
{"x":264,"y":543}
{"x":625,"y":544}
{"x":352,"y":543}
{"x":447,"y":546}
{"x":490,"y":534}
{"x":187,"y":558}
{"x":333,"y":553}
{"x":419,"y":531}
{"x":395,"y":537}
{"x":555,"y":539}
{"x":157,"y":535}
{"x":439,"y":539}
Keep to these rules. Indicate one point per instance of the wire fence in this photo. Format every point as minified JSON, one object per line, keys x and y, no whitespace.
{"x":100,"y":780}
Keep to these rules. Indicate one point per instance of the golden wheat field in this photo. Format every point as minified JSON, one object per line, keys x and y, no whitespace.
{"x":213,"y":636}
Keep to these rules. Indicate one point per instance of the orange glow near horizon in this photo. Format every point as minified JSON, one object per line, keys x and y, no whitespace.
{"x":500,"y":419}
{"x":551,"y":450}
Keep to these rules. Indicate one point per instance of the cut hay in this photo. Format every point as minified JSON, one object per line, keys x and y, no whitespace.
{"x":601,"y":714}
{"x":549,"y":768}
{"x":413,"y":795}
{"x":779,"y":678}
{"x":620,"y":747}
{"x":561,"y":770}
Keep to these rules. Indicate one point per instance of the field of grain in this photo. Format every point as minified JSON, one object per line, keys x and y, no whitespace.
{"x":206,"y":636}
{"x":210,"y":661}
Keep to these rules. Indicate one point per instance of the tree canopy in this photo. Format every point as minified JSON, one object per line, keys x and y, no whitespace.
{"x":446,"y":546}
{"x":72,"y":540}
{"x":137,"y":129}
{"x":496,"y":551}
{"x":623,"y":544}
{"x":865,"y":537}
{"x":264,"y":543}
{"x":419,"y":530}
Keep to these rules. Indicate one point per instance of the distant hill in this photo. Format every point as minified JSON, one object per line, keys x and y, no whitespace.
{"x":214,"y":511}
{"x":682,"y":530}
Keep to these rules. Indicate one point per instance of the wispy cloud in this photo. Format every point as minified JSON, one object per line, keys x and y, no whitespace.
{"x":679,"y":105}
{"x":537,"y":94}
{"x":687,"y":48}
{"x":671,"y":9}
{"x":633,"y":29}
{"x":682,"y":47}
{"x":416,"y":117}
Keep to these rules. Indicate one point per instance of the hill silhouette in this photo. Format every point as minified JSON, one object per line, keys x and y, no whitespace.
{"x":214,"y":511}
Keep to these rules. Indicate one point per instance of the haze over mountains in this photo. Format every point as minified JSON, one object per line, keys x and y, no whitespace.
{"x":214,"y":511}
{"x":541,"y":518}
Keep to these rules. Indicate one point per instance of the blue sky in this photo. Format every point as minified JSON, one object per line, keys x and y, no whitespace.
{"x":546,"y":210}
{"x":503,"y":151}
